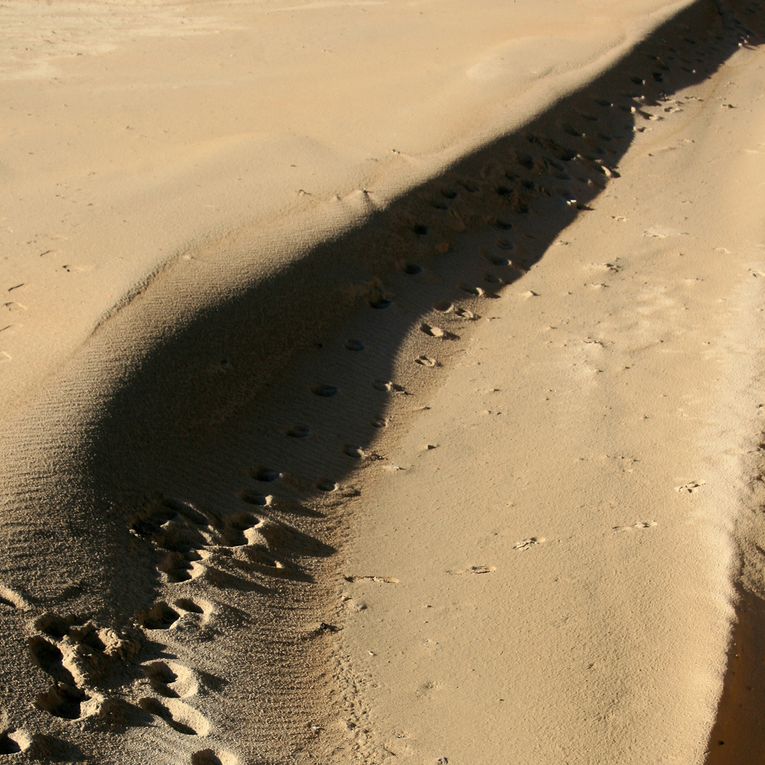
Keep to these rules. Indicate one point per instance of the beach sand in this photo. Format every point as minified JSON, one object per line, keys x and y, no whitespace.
{"x":382,"y":383}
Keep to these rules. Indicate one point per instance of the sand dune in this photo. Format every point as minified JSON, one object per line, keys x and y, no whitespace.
{"x":134,"y":132}
{"x":447,"y":467}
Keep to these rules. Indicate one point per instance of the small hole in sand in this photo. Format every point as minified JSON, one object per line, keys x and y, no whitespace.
{"x":526,"y":160}
{"x":354,"y":345}
{"x":469,"y":186}
{"x":380,"y":302}
{"x":266,"y":475}
{"x":325,"y":391}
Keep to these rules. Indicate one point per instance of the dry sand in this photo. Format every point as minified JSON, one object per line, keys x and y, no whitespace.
{"x":382,"y":383}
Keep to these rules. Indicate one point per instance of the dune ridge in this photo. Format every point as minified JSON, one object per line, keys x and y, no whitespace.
{"x":113,"y":170}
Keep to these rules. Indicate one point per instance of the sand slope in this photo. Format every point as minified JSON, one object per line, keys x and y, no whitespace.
{"x":134,"y":131}
{"x":202,"y":526}
{"x":546,"y":577}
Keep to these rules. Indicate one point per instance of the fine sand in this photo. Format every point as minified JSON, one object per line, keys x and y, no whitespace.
{"x":382,"y":382}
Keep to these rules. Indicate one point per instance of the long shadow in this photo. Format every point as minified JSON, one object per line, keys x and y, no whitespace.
{"x":270,"y":400}
{"x":195,"y":387}
{"x":737,"y":734}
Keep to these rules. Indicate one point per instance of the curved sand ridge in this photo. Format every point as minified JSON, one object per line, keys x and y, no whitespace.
{"x":169,"y":534}
{"x":133,"y":131}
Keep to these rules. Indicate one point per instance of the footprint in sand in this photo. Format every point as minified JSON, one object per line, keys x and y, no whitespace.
{"x":211,"y":757}
{"x":500,"y":260}
{"x":266,"y":475}
{"x":478,"y":569}
{"x":690,"y":488}
{"x":201,"y":610}
{"x":255,"y":498}
{"x":64,"y":698}
{"x":437,"y":332}
{"x":180,"y":565}
{"x":527,"y":544}
{"x":380,"y":301}
{"x":639,"y":525}
{"x":238,"y":528}
{"x":171,"y":679}
{"x":178,"y":715}
{"x":159,"y":617}
{"x":358,"y":452}
{"x":79,"y":657}
{"x":471,"y":290}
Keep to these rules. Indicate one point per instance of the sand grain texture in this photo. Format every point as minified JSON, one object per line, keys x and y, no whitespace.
{"x":432,"y":451}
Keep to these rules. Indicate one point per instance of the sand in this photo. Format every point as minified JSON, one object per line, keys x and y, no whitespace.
{"x":381,"y":383}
